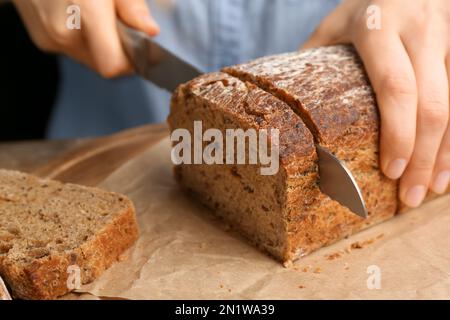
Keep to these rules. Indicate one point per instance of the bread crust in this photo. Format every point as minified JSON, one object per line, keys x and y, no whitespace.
{"x":46,"y":278}
{"x":252,"y":108}
{"x":327,"y":87}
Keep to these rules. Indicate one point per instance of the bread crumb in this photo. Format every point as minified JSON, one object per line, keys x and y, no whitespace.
{"x":361,"y":244}
{"x":365,"y":243}
{"x":334,"y":256}
{"x":288,"y":264}
{"x":306,"y":269}
{"x":354,"y":245}
{"x":301,"y":287}
{"x":123,"y":257}
{"x":346,"y":266}
{"x":317,"y":270}
{"x":221,"y":286}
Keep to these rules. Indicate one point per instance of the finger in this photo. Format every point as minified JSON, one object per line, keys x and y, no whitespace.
{"x":441,"y":175}
{"x":100,"y":33}
{"x":35,"y":28}
{"x":332,"y":30}
{"x":79,"y":52}
{"x":432,"y":120}
{"x":136,"y":14}
{"x":392,"y":77}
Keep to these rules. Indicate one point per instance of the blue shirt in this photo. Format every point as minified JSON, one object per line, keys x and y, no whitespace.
{"x":208,"y":33}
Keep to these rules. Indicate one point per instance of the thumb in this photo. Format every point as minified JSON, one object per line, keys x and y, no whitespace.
{"x":136,"y":14}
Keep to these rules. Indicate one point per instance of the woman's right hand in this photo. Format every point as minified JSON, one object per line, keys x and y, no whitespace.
{"x":96,"y":43}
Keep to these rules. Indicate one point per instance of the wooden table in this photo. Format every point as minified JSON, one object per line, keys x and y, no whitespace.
{"x":87,"y":161}
{"x":30,"y":155}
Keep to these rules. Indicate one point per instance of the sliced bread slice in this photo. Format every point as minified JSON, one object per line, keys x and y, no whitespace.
{"x":51,"y":233}
{"x":256,"y":205}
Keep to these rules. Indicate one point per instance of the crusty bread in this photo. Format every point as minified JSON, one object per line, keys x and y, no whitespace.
{"x":328,"y":92}
{"x":253,"y":203}
{"x":49,"y":230}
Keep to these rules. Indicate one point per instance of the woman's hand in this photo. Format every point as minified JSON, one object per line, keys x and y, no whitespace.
{"x":97,"y":43}
{"x":407,"y":57}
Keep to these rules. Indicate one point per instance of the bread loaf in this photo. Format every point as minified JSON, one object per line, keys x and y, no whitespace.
{"x":314,"y":96}
{"x":50,"y":231}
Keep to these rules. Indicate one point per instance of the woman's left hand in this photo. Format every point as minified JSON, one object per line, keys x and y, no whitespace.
{"x":405,"y":47}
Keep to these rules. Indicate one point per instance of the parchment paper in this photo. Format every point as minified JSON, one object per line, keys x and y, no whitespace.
{"x":183,"y":253}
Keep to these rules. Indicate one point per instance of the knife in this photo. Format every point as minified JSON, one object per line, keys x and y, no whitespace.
{"x":4,"y":294}
{"x":337,"y":182}
{"x":154,"y":63}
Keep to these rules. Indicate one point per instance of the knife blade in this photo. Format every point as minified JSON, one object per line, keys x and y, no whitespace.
{"x":4,"y":294}
{"x":154,"y":62}
{"x":337,"y":182}
{"x":165,"y":69}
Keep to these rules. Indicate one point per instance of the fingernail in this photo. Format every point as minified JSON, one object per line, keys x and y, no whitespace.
{"x":440,"y":183}
{"x":395,"y":168}
{"x":415,"y":195}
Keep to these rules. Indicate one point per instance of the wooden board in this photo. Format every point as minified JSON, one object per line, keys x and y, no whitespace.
{"x":91,"y":161}
{"x":82,"y":161}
